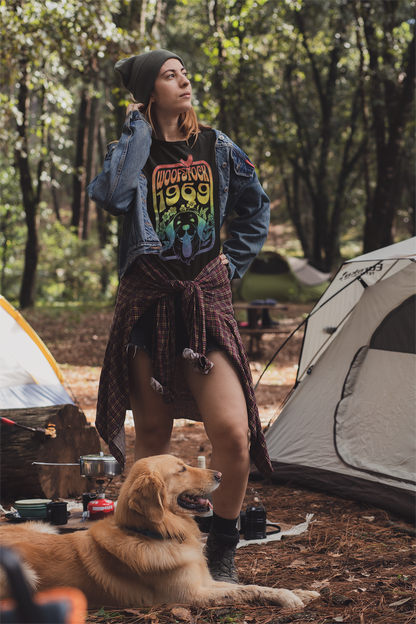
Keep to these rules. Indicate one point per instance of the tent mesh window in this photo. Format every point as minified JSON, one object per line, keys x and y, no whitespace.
{"x":397,"y":332}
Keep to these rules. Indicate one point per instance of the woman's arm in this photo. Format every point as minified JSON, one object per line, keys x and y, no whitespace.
{"x":249,"y":229}
{"x":114,"y":188}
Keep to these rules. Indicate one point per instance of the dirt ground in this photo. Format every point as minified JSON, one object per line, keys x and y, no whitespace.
{"x":361,"y":559}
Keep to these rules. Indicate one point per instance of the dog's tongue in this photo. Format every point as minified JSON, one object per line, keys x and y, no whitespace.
{"x":204,"y":502}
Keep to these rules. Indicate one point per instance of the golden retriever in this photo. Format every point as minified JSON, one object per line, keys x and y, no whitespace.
{"x":148,"y":553}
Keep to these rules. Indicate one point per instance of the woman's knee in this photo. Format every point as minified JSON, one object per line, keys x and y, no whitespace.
{"x":232,"y":440}
{"x":148,"y":428}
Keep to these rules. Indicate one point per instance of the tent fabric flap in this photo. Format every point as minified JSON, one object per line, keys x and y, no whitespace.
{"x":374,"y":428}
{"x":33,"y":395}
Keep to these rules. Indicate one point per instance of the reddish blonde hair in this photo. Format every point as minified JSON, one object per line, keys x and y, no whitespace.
{"x":188,"y":123}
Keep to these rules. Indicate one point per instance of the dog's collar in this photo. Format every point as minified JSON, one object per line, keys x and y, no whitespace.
{"x":146,"y":532}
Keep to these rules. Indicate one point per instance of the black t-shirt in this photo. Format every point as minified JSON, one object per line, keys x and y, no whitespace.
{"x":183,"y":204}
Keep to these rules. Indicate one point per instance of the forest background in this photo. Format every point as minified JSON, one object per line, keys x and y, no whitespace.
{"x":320,"y":94}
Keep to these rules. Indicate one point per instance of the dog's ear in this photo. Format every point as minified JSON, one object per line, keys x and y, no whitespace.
{"x":148,"y":497}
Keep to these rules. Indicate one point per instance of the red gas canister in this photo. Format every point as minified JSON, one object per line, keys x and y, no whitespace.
{"x":100,"y":508}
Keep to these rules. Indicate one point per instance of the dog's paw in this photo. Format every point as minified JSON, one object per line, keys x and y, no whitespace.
{"x":306,"y":596}
{"x":284,"y":598}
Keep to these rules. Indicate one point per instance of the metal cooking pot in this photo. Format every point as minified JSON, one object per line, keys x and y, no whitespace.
{"x":99,"y":466}
{"x":96,"y":466}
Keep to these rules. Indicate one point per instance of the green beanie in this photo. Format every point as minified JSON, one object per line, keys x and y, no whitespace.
{"x":139,"y":73}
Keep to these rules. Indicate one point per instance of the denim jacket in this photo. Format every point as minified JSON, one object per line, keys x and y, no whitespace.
{"x":121,"y":189}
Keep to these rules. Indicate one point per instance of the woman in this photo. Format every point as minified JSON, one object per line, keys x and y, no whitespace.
{"x":174,"y":349}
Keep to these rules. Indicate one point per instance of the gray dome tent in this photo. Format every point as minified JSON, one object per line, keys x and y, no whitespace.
{"x":349,"y":427}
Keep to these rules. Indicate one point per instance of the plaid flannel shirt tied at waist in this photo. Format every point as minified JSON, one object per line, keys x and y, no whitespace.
{"x":206,"y":306}
{"x":206,"y":303}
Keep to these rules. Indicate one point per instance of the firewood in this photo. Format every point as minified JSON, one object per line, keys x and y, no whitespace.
{"x":70,"y":437}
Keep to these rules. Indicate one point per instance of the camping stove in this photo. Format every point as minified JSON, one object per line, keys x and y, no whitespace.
{"x":94,"y":504}
{"x":96,"y":468}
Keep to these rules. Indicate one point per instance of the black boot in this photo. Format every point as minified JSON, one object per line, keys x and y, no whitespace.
{"x":220,"y":552}
{"x":267,"y":320}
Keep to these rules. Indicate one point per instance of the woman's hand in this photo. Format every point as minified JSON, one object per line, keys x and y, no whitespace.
{"x":133,"y":106}
{"x":223,"y":258}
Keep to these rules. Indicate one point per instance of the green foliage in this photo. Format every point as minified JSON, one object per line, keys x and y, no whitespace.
{"x":283,"y":79}
{"x":52,"y":48}
{"x":12,"y":233}
{"x":288,"y":81}
{"x":71,"y":269}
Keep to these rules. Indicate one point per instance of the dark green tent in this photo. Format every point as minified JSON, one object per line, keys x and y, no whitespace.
{"x":281,"y":278}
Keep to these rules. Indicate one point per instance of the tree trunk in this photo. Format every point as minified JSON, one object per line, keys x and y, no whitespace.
{"x":90,"y":164}
{"x":217,"y":79}
{"x":391,"y":102}
{"x":349,"y":161}
{"x":19,"y":448}
{"x":378,"y":230}
{"x":54,"y":193}
{"x":4,"y":223}
{"x":80,"y":160}
{"x":412,"y":228}
{"x":292,"y":202}
{"x":30,"y":198}
{"x":320,"y":201}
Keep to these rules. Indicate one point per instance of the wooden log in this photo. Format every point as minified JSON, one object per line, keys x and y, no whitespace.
{"x":19,"y":448}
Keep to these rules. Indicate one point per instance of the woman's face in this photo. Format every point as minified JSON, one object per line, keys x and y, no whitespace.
{"x":172,"y":91}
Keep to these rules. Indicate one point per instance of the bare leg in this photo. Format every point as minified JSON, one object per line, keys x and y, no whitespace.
{"x":221,"y":402}
{"x":153,"y":419}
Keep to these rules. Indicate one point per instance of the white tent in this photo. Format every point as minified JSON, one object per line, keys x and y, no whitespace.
{"x":29,"y":375}
{"x":349,"y":427}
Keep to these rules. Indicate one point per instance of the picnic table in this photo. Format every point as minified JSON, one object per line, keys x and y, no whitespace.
{"x":258,"y":321}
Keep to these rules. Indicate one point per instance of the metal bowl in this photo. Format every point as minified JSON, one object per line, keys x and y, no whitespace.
{"x":99,"y":466}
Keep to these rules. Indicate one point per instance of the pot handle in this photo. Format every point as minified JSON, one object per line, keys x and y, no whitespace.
{"x":51,"y":464}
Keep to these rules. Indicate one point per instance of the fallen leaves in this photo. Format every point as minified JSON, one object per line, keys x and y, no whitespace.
{"x":182,"y":614}
{"x":297,"y":563}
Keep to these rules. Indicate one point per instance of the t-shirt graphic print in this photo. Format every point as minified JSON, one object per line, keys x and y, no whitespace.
{"x":184,"y":208}
{"x":183,"y":203}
